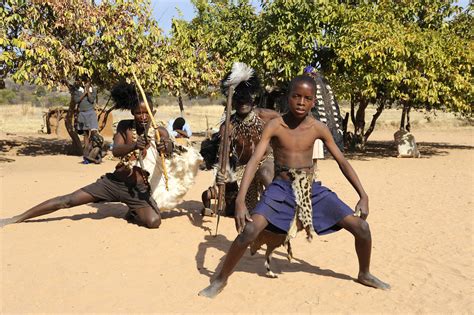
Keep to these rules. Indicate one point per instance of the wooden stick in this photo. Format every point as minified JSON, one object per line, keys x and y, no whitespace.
{"x":155,"y":126}
{"x":224,"y":147}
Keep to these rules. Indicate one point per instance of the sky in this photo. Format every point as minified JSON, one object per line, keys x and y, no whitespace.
{"x":165,"y":10}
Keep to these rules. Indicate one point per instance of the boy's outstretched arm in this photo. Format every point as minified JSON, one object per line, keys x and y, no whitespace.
{"x":241,"y":212}
{"x":362,"y":206}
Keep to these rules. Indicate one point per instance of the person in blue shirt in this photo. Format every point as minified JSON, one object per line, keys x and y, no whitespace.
{"x":179,"y":128}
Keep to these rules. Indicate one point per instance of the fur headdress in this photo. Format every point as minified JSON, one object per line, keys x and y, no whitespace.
{"x":126,"y":96}
{"x":244,"y":80}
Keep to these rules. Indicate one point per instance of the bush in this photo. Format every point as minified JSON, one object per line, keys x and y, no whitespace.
{"x":7,"y":96}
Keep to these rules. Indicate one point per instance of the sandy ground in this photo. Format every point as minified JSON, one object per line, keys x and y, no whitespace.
{"x":90,"y":260}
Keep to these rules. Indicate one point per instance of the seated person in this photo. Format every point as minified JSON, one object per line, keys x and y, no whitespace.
{"x":179,"y":128}
{"x":93,"y":152}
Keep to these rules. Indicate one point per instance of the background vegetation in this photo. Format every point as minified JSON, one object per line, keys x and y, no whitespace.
{"x":391,"y":54}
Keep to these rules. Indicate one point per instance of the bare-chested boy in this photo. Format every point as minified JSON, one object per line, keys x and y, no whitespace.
{"x":129,"y":182}
{"x":294,"y":200}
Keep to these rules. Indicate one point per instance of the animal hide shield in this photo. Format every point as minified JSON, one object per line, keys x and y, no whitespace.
{"x":182,"y":168}
{"x":327,"y":110}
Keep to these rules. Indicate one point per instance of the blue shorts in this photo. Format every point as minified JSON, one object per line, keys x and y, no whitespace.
{"x":277,"y":205}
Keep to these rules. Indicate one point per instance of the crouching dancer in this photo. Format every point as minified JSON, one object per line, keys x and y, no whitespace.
{"x":294,"y":200}
{"x":129,"y":182}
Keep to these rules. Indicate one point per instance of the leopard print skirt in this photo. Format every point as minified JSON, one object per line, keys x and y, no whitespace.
{"x":302,"y":184}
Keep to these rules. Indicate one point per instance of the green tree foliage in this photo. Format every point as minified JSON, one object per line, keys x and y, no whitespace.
{"x":387,"y":53}
{"x":414,"y":54}
{"x":286,"y":33}
{"x":226,"y":28}
{"x":52,"y":42}
{"x":200,"y":52}
{"x":205,"y":48}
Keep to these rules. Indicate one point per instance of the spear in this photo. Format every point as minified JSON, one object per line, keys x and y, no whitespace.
{"x":224,"y":156}
{"x":155,"y":126}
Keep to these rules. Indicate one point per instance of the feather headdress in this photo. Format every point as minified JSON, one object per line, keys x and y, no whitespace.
{"x":242,"y":78}
{"x":240,"y":72}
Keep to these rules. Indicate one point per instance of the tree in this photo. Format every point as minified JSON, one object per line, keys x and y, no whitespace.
{"x":12,"y":18}
{"x":388,"y":53}
{"x":286,"y":34}
{"x":277,"y":42}
{"x":62,"y":41}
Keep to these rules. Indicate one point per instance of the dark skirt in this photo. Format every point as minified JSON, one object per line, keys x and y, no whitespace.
{"x":87,"y":120}
{"x":109,"y":189}
{"x":277,"y":205}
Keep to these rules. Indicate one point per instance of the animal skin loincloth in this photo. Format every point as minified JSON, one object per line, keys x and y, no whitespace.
{"x":301,"y":182}
{"x":256,"y":186}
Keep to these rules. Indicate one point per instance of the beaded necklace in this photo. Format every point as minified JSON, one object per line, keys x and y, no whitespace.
{"x":127,"y":160}
{"x":249,"y":129}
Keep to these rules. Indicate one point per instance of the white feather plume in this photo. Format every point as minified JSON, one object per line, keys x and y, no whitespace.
{"x":240,"y":72}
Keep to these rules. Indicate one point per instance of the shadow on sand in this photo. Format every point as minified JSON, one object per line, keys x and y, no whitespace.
{"x":388,"y":149}
{"x":104,"y":210}
{"x":34,"y":146}
{"x":255,"y":264}
{"x":191,"y":209}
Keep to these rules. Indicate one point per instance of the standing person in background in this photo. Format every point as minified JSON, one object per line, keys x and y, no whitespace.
{"x":84,"y":96}
{"x":179,"y":128}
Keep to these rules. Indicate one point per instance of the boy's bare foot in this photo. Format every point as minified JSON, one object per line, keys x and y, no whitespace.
{"x":214,"y":289}
{"x":7,"y":221}
{"x":369,"y":280}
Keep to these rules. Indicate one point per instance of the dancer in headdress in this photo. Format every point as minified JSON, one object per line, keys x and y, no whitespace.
{"x":130,"y":182}
{"x":246,"y":127}
{"x":294,"y":200}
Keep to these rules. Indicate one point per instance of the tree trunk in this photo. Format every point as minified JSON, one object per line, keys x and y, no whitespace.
{"x":180,"y":103}
{"x":345,"y":134}
{"x":408,"y":126}
{"x":76,"y":142}
{"x":353,"y":102}
{"x":374,"y":120}
{"x":104,"y":112}
{"x":402,"y":119}
{"x":359,"y":126}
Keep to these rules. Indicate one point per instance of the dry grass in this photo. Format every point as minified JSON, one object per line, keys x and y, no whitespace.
{"x":20,"y":118}
{"x":199,"y":117}
{"x":26,"y":118}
